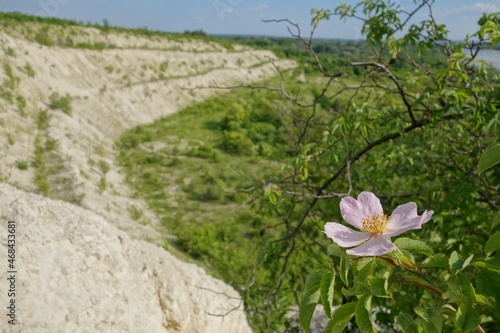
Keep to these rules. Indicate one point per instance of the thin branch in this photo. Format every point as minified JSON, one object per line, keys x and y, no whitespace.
{"x":394,"y":79}
{"x":234,"y":308}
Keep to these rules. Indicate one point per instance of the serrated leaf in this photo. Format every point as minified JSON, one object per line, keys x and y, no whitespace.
{"x":407,"y":324}
{"x":310,"y":298}
{"x":362,"y":313}
{"x":467,"y":317}
{"x":493,"y":243}
{"x":413,"y":246}
{"x":340,"y":318}
{"x":327,"y":290}
{"x":481,"y":299}
{"x":454,"y":296}
{"x":344,"y":268}
{"x":489,"y":158}
{"x":464,"y":285}
{"x":437,"y":261}
{"x":488,"y":284}
{"x":365,"y":267}
{"x":378,"y":287}
{"x":432,"y":319}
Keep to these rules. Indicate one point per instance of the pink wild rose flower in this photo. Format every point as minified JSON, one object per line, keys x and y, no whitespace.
{"x":367,"y":215}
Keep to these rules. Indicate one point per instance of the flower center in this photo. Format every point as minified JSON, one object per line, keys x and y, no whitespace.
{"x":375,"y":224}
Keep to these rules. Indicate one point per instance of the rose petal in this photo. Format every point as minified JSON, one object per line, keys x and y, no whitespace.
{"x":426,"y":216}
{"x":375,"y":246}
{"x":353,"y":210}
{"x":345,"y":236}
{"x":405,"y":218}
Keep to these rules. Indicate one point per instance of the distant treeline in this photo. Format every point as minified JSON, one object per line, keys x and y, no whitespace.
{"x":334,"y":54}
{"x":9,"y":18}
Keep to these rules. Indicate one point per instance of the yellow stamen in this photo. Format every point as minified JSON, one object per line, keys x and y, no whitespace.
{"x":375,"y":224}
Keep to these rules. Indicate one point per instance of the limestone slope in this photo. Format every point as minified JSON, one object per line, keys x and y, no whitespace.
{"x":90,"y":264}
{"x":79,"y":273}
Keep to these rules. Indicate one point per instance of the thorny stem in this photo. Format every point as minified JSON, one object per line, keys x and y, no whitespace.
{"x":430,"y":288}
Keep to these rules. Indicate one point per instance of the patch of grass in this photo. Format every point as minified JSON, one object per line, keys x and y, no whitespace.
{"x":9,"y":89}
{"x":163,"y":66}
{"x":10,"y":139}
{"x":29,"y":70}
{"x":109,"y":69}
{"x":104,"y":166}
{"x":21,"y":105}
{"x":43,"y":38}
{"x":61,"y":102}
{"x":103,"y":184}
{"x":135,"y":213}
{"x":22,"y":165}
{"x":203,"y":181}
{"x":10,"y":52}
{"x":42,"y":120}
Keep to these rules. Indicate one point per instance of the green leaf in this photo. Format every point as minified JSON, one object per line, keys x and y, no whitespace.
{"x":487,"y":266}
{"x":493,"y":243}
{"x":464,"y":286}
{"x":468,"y":261}
{"x":362,"y":312}
{"x":413,"y":245}
{"x":489,"y":158}
{"x":378,"y":287}
{"x":310,"y":298}
{"x":334,"y":250}
{"x":437,"y":261}
{"x":344,"y":268}
{"x":467,"y":317}
{"x":326,"y":290}
{"x":496,"y":220}
{"x":457,"y":264}
{"x":341,"y":317}
{"x":454,"y":296}
{"x":272,"y":198}
{"x":488,"y":283}
{"x":432,"y":319}
{"x":406,"y":323}
{"x":365,"y":268}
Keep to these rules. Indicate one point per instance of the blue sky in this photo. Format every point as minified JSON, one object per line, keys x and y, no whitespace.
{"x":242,"y":17}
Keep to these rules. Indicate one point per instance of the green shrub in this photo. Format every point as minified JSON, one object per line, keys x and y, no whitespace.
{"x":10,"y":52}
{"x":22,"y":165}
{"x":236,"y":142}
{"x":42,"y":120}
{"x":61,"y":102}
{"x":29,"y":70}
{"x":43,"y":38}
{"x":104,"y":166}
{"x":102,"y":184}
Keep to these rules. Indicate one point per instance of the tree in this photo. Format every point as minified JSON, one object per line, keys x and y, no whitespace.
{"x":412,"y":132}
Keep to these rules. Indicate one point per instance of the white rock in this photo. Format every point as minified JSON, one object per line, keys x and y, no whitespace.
{"x":78,"y":273}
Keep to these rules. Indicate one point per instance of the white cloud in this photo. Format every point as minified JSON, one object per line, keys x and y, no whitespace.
{"x":476,"y":8}
{"x":261,"y":6}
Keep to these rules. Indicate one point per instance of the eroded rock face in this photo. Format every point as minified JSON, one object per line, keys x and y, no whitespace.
{"x":78,"y":273}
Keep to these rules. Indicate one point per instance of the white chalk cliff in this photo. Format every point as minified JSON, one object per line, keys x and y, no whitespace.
{"x":85,"y":264}
{"x":76,"y":272}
